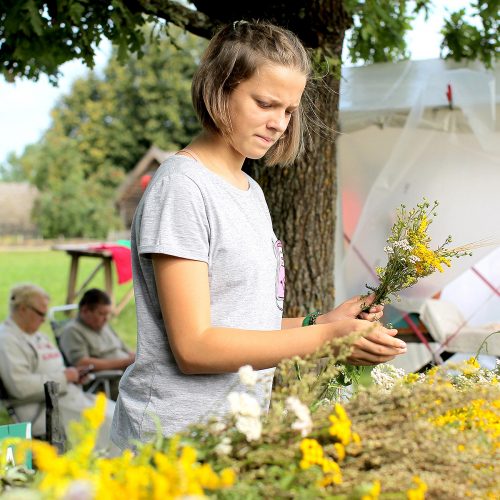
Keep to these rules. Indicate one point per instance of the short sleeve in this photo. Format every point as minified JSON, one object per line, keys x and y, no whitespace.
{"x":174,"y":220}
{"x":73,"y":345}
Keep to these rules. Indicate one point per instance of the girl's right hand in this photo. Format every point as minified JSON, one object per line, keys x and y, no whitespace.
{"x":379,"y":345}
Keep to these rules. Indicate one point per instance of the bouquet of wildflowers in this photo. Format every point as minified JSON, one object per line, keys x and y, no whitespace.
{"x":409,"y":254}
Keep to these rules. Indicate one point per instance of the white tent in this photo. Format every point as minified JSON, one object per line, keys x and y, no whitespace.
{"x":414,"y":129}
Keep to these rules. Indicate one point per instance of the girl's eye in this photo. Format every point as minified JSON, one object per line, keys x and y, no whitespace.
{"x":263,"y":104}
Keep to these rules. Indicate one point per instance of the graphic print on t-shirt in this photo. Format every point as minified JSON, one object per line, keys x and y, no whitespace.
{"x":280,"y":274}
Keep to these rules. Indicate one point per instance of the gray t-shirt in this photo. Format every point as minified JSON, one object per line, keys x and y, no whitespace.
{"x":190,"y":212}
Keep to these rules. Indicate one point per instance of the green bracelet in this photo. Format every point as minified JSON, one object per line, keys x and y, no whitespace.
{"x":311,"y":318}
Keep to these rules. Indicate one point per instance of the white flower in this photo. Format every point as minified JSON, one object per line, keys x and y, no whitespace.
{"x":247,"y":375}
{"x":388,"y":250}
{"x":413,"y":258}
{"x":403,"y":244}
{"x":217,"y":426}
{"x":303,"y":423}
{"x":385,"y":375}
{"x":79,"y":490}
{"x":250,"y":426}
{"x":244,"y":404}
{"x":247,"y":411}
{"x":224,"y":447}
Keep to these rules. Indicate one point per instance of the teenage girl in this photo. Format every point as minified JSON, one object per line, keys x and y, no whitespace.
{"x":208,"y":268}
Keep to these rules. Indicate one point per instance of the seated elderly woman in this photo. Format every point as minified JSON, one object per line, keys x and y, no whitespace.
{"x":28,"y":359}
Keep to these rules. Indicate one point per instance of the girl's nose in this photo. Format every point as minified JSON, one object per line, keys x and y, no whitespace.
{"x":278,"y":122}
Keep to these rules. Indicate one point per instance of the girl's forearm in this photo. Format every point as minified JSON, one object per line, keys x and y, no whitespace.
{"x":222,"y":350}
{"x":287,"y":323}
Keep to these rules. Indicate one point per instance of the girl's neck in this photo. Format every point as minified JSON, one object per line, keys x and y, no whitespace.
{"x":213,"y":151}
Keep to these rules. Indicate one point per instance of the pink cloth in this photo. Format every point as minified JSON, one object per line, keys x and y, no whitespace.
{"x":121,"y":257}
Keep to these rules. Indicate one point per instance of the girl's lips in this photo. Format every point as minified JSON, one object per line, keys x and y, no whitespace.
{"x":265,"y":139}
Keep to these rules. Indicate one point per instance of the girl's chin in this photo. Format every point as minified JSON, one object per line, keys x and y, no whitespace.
{"x":256,"y":156}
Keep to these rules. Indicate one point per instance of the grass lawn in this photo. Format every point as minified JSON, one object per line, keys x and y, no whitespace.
{"x":50,"y":270}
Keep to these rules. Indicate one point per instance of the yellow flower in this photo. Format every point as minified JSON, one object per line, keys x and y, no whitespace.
{"x":312,"y":453}
{"x":207,"y":477}
{"x":95,"y":416}
{"x":340,"y":429}
{"x":227,"y":478}
{"x":417,"y":493}
{"x":374,"y":492}
{"x":479,"y":414}
{"x":428,"y":260}
{"x":331,"y":471}
{"x":340,"y":450}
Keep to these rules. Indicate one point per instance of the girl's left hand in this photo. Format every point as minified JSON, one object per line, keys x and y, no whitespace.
{"x":351,"y":309}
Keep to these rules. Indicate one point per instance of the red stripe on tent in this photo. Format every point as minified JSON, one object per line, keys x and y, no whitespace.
{"x":361,"y":258}
{"x":421,"y":336}
{"x":457,"y":331}
{"x":485,"y":280}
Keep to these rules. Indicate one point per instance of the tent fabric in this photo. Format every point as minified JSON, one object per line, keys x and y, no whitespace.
{"x":448,"y":326}
{"x":401,"y":141}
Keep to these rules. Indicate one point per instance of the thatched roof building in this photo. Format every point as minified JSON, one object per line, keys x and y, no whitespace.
{"x":16,"y":204}
{"x":130,"y":192}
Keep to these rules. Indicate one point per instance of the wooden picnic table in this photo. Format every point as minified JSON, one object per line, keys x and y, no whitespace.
{"x":76,"y":251}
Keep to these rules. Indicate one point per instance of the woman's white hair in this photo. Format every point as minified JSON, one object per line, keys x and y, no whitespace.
{"x":24,"y":293}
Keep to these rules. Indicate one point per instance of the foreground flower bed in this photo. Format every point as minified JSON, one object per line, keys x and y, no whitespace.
{"x":413,"y":436}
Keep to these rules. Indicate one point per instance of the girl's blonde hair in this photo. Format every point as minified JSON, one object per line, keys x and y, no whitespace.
{"x":232,"y":56}
{"x":24,"y":293}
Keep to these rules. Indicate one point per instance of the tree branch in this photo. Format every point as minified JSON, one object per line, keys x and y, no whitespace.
{"x":194,"y":21}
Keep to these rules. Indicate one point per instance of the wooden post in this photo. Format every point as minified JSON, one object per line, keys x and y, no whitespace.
{"x":108,"y":278}
{"x":53,"y":426}
{"x":73,"y":274}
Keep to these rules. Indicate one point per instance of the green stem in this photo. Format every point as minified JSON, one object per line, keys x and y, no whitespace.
{"x":483,"y":342}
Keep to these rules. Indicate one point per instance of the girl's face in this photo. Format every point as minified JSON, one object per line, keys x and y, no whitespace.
{"x":261,"y":107}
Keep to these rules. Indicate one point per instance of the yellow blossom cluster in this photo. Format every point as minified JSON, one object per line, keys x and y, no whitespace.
{"x":409,"y":254}
{"x":470,"y":367}
{"x":418,"y":492}
{"x":374,"y":492}
{"x":340,"y":427}
{"x":146,"y":474}
{"x":313,"y":454}
{"x":411,"y":378}
{"x":478,"y":415}
{"x":429,"y":260}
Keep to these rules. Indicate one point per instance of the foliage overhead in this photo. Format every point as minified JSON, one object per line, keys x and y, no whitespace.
{"x":37,"y":36}
{"x":475,"y":35}
{"x":102,"y":128}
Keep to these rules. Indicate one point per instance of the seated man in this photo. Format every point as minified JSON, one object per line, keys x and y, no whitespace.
{"x":89,"y":340}
{"x":28,"y":359}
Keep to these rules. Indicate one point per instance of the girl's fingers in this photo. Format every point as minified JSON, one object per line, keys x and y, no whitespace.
{"x":378,"y":351}
{"x":386,"y":337}
{"x":371,"y":316}
{"x":364,"y":359}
